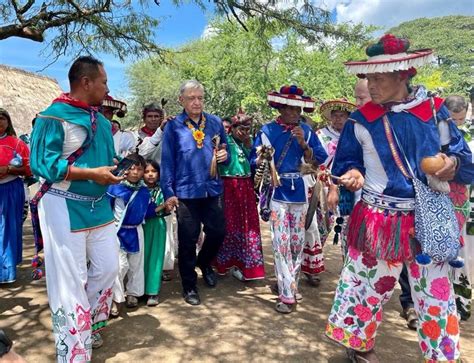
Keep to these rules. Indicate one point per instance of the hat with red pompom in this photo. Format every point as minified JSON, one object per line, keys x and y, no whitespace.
{"x":119,"y":107}
{"x":390,"y":54}
{"x":290,"y":96}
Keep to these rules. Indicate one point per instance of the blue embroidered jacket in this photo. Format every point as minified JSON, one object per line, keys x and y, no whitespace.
{"x":418,"y":135}
{"x":138,"y":209}
{"x":185,"y":169}
{"x":291,"y":190}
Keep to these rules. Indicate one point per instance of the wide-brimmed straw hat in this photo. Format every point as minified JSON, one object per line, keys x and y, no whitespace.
{"x":333,"y":105}
{"x":390,"y":54}
{"x":290,"y":96}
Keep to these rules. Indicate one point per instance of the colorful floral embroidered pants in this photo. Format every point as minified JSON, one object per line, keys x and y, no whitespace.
{"x":80,"y":271}
{"x":287,"y":229}
{"x":366,"y":284}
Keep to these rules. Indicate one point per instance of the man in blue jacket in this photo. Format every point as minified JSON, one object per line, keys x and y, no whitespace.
{"x":193,"y":142}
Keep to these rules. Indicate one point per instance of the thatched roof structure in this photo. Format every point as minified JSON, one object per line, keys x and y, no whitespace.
{"x":23,"y":94}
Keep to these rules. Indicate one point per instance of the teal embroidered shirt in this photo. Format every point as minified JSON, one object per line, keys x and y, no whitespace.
{"x":47,"y":161}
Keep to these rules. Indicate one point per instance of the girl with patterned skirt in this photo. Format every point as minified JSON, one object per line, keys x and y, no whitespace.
{"x":14,"y":162}
{"x":241,"y":250}
{"x":154,"y":230}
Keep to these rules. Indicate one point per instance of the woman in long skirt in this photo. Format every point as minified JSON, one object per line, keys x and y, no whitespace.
{"x":14,"y":162}
{"x":241,"y":250}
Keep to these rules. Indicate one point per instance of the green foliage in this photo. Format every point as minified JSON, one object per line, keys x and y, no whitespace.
{"x":433,"y":79}
{"x":117,"y":27}
{"x":452,"y":38}
{"x":238,"y":68}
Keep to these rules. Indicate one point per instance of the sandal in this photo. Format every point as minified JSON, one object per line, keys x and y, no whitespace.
{"x":131,"y":302}
{"x":411,"y":317}
{"x":312,"y":280}
{"x":166,"y":276}
{"x":114,"y":310}
{"x":237,"y":274}
{"x":283,"y":308}
{"x":153,"y":300}
{"x":362,"y":357}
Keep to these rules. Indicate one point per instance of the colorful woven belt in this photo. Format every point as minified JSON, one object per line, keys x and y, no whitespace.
{"x":383,"y":201}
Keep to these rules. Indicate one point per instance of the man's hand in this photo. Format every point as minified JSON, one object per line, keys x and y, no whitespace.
{"x":298,"y":133}
{"x":333,"y":198}
{"x":103,"y":175}
{"x":243,"y":134}
{"x":221,"y":154}
{"x":171,"y":203}
{"x":3,"y":171}
{"x":165,"y":121}
{"x":352,"y":180}
{"x":448,"y":171}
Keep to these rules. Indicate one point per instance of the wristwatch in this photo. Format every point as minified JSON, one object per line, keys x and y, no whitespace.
{"x":5,"y":343}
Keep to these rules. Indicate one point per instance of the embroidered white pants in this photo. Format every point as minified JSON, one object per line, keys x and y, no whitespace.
{"x":287,"y":230}
{"x":132,"y":266}
{"x":79,"y":295}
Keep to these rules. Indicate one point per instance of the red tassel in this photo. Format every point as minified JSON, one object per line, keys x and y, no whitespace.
{"x":382,"y":233}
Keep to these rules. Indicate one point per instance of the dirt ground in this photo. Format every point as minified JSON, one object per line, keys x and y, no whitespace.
{"x":235,"y":323}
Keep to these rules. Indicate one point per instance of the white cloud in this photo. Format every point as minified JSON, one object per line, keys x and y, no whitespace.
{"x":389,"y":13}
{"x":208,"y":32}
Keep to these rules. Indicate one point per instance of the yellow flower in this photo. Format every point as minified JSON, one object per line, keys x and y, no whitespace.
{"x":198,"y":135}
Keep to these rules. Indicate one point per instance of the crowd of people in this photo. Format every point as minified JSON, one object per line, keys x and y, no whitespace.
{"x":114,"y":206}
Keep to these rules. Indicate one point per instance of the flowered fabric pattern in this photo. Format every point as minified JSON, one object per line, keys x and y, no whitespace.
{"x":287,"y":229}
{"x":366,"y":284}
{"x":242,"y":246}
{"x":462,"y":280}
{"x":462,"y":276}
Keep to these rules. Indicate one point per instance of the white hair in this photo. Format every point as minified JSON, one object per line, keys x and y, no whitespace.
{"x":190,"y":84}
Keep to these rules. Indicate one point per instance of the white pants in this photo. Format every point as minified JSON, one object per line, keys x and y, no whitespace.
{"x":130,"y":265}
{"x":287,"y":230}
{"x":170,"y":247}
{"x":79,"y":296}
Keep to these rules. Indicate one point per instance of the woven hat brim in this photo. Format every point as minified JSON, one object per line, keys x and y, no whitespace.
{"x":327,"y":107}
{"x":277,"y":100}
{"x":387,"y":63}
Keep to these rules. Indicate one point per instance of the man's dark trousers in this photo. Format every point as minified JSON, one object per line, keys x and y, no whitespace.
{"x":191,"y":213}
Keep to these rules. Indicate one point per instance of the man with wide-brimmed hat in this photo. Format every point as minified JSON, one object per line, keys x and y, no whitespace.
{"x":293,"y":142}
{"x":380,"y":232}
{"x":124,"y":141}
{"x":335,"y":113}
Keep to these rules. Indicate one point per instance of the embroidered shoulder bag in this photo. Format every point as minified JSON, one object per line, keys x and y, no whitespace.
{"x":436,"y":226}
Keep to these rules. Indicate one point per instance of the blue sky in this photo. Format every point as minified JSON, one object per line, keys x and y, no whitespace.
{"x":181,"y":24}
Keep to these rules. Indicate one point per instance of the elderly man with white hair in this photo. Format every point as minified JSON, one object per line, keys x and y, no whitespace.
{"x":193,"y":143}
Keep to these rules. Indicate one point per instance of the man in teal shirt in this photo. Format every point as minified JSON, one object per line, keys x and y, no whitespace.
{"x":72,"y":152}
